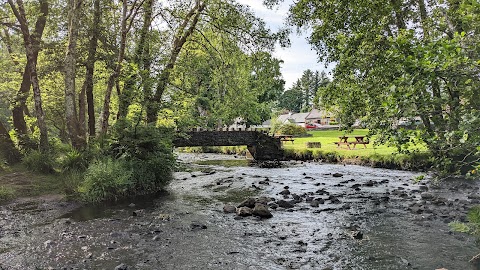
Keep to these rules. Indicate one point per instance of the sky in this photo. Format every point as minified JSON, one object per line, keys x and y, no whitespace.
{"x":299,"y":56}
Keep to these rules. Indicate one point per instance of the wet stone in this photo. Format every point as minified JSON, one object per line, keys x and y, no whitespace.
{"x":262,"y":211}
{"x":195,"y":226}
{"x":285,"y":204}
{"x":228,"y":208}
{"x":121,"y":266}
{"x":285,"y":192}
{"x":244,"y":211}
{"x":250,"y":203}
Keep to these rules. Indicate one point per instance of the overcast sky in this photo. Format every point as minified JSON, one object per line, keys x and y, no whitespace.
{"x":299,"y":56}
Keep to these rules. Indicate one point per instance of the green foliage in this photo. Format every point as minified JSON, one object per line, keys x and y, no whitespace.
{"x":473,"y":223}
{"x":138,"y":161}
{"x":292,"y":129}
{"x":75,"y":160}
{"x":403,"y":59}
{"x":38,"y":161}
{"x":106,"y":179}
{"x":6,"y":193}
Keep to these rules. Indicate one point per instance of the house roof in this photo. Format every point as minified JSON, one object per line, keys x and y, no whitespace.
{"x":299,"y":117}
{"x":314,"y":114}
{"x":283,"y":118}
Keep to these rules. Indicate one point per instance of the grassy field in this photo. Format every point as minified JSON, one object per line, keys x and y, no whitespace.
{"x":328,"y":138}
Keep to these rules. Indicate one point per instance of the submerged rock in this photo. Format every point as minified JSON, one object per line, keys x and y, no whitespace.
{"x":285,"y":204}
{"x":195,"y":225}
{"x":261,"y":210}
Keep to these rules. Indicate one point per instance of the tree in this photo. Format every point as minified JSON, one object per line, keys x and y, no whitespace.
{"x":402,"y":59}
{"x":74,"y":128}
{"x":31,"y":53}
{"x":303,"y":94}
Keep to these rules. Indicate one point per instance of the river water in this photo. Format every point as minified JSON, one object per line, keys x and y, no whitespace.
{"x":367,"y":219}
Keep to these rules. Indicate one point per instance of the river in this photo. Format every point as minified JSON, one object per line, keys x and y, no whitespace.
{"x":343,"y":217}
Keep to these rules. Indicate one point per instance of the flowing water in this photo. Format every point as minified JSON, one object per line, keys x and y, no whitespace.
{"x":368,"y":219}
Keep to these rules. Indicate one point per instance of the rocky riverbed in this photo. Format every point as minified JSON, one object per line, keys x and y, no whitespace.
{"x":323,"y":216}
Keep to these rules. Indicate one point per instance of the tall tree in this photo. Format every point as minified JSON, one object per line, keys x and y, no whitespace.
{"x":181,"y":36}
{"x":87,"y":87}
{"x":403,"y":59}
{"x":128,"y":14}
{"x":74,"y":129}
{"x":29,"y":43}
{"x":20,"y":108}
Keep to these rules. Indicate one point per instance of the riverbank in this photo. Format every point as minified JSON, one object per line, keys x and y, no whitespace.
{"x":341,"y":217}
{"x":377,"y":156}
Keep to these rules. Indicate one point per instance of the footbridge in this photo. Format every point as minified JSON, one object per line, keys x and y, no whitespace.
{"x":260,"y":145}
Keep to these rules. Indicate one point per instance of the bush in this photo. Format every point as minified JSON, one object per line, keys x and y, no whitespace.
{"x":106,"y":180}
{"x":37,"y":161}
{"x":6,"y":193}
{"x":292,"y":129}
{"x":143,"y":161}
{"x":74,"y":160}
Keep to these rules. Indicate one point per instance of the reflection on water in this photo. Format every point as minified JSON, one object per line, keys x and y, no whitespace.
{"x":109,"y":209}
{"x":227,"y":163}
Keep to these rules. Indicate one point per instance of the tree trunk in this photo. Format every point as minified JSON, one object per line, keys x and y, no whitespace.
{"x":7,"y":148}
{"x":104,"y":116}
{"x":76,"y":137}
{"x":90,"y":66}
{"x":139,"y":59}
{"x":183,"y":33}
{"x":19,"y":105}
{"x":32,"y":62}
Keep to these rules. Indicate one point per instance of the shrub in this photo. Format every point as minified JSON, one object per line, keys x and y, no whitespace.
{"x":292,"y":129}
{"x":6,"y":193}
{"x":142,"y":155}
{"x":106,"y":180}
{"x":37,"y":161}
{"x":74,"y":160}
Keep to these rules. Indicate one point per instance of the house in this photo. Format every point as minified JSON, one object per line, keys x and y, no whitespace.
{"x":314,"y":116}
{"x":321,"y":117}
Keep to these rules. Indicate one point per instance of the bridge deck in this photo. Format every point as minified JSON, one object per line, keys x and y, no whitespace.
{"x":260,"y":145}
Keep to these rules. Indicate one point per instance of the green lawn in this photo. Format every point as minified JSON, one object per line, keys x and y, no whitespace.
{"x":329,"y":137}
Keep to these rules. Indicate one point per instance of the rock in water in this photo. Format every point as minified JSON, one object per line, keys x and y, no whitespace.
{"x":197,"y":226}
{"x":228,"y":208}
{"x":250,"y":203}
{"x":285,"y":204}
{"x":244,"y":211}
{"x":357,"y":235}
{"x":337,"y":175}
{"x":121,"y":266}
{"x":262,"y":211}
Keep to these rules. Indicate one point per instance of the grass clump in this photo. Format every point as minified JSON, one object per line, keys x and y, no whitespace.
{"x":106,"y":179}
{"x":38,"y":161}
{"x":6,"y":193}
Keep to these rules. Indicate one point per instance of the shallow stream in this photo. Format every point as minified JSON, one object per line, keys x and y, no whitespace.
{"x":367,"y":219}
